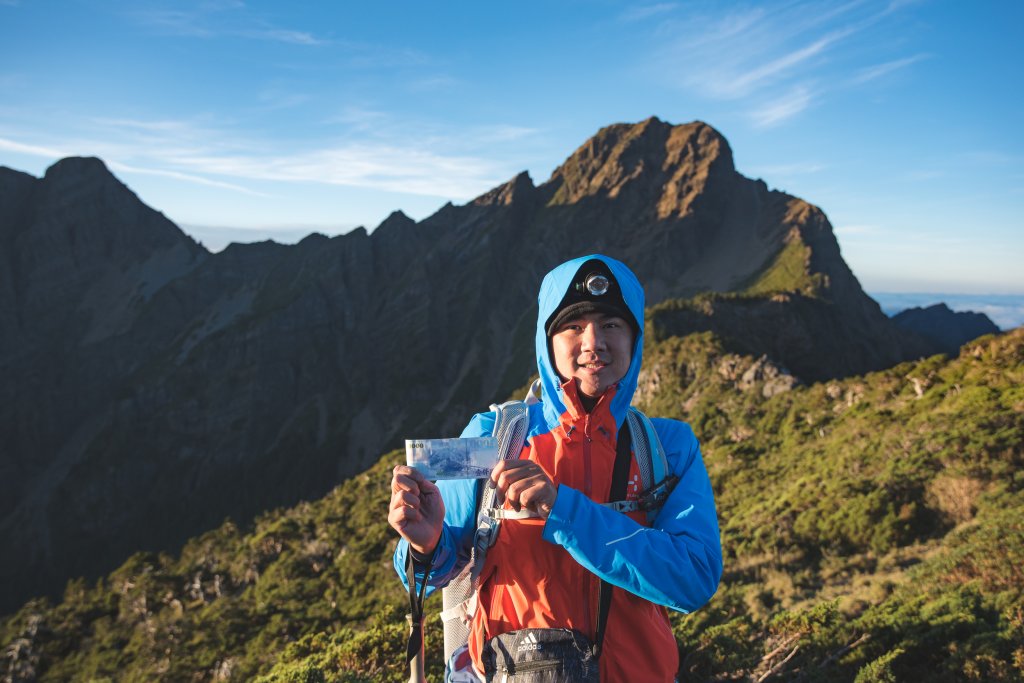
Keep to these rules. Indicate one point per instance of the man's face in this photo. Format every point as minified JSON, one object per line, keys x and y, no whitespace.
{"x":594,"y":349}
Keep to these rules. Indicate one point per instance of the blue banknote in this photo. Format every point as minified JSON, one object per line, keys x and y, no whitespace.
{"x":452,"y":458}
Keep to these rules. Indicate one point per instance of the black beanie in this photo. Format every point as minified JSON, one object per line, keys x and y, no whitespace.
{"x":579,"y":299}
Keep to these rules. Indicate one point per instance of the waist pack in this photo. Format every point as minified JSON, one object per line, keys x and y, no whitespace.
{"x":459,"y":597}
{"x":541,"y":655}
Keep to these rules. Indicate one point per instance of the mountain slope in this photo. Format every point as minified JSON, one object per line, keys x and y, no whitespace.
{"x":153,"y":389}
{"x":872,"y":530}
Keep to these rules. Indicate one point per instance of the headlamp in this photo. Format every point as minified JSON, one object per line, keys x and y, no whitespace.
{"x":595,"y":283}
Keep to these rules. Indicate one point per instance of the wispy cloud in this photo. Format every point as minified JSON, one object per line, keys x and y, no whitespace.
{"x":760,"y":76}
{"x":215,"y":19}
{"x":924,"y":175}
{"x":284,"y":36}
{"x":865,"y":230}
{"x":878,"y":70}
{"x":433,"y":83}
{"x":178,"y":175}
{"x":279,"y":98}
{"x":390,"y":158}
{"x":778,"y":110}
{"x":794,"y":169}
{"x":31,"y":150}
{"x":359,"y":117}
{"x":371,"y":165}
{"x":805,"y":50}
{"x":174,"y":22}
{"x":641,"y":12}
{"x":53,"y":153}
{"x":989,"y":157}
{"x":734,"y":56}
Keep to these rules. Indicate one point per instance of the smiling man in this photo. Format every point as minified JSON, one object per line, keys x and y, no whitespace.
{"x":572,"y":575}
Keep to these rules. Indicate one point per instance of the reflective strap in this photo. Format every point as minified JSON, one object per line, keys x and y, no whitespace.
{"x":533,"y":394}
{"x":623,"y":505}
{"x":502,"y":513}
{"x":457,"y":612}
{"x":463,"y":611}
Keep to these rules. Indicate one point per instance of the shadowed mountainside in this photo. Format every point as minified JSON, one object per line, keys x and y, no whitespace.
{"x":946,"y":329}
{"x":151,"y":388}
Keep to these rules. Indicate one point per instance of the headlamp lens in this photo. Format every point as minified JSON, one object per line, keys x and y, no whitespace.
{"x":597,"y":284}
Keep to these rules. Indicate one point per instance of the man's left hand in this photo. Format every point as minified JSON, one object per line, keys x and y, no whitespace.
{"x":523,"y":483}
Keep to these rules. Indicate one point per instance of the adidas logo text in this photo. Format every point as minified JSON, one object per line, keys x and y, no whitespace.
{"x":529,"y":643}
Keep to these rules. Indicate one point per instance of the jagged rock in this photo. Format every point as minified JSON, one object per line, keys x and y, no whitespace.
{"x":772,"y":379}
{"x":814,"y":337}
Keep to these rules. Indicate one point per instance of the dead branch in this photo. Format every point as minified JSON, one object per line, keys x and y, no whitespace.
{"x":843,"y":650}
{"x":778,"y":667}
{"x":786,"y":643}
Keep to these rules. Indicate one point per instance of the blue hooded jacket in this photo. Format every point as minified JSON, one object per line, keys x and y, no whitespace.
{"x":677,"y":561}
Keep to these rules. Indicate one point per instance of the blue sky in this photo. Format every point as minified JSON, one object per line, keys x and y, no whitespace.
{"x":248,"y":120}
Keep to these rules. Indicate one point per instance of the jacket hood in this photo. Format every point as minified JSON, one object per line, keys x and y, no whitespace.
{"x":552,"y":290}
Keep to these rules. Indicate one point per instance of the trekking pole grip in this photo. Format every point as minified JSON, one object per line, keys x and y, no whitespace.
{"x":416,"y":664}
{"x":415,"y":649}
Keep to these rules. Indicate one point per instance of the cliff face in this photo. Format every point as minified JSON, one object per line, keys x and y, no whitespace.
{"x":151,"y":388}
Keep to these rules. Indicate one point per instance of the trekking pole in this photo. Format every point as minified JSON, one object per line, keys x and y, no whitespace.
{"x":414,"y":650}
{"x":416,"y":671}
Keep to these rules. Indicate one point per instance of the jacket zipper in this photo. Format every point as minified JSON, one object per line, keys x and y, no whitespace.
{"x":588,"y":483}
{"x":588,"y":486}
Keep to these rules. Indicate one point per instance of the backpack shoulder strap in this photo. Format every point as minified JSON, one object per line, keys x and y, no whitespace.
{"x":650,"y":454}
{"x":511,"y":423}
{"x":655,"y":476}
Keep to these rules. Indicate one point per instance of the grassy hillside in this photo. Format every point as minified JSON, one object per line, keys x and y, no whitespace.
{"x":873,"y":530}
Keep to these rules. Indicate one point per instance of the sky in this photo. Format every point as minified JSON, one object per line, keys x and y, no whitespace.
{"x":243,"y":121}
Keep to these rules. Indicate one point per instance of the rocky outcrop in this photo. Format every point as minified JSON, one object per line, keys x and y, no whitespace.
{"x":813,"y":337}
{"x":947,"y":330}
{"x":152,"y":388}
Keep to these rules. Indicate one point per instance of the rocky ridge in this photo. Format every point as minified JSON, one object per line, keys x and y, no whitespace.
{"x":152,"y":388}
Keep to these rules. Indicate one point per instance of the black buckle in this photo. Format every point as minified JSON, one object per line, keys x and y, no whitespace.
{"x":654,"y":497}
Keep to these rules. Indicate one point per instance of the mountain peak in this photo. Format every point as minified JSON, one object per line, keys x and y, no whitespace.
{"x":77,"y":173}
{"x":397,"y":218}
{"x":517,"y":189}
{"x":947,"y":329}
{"x":84,"y":218}
{"x":395,"y":225}
{"x":77,"y":166}
{"x":651,"y":159}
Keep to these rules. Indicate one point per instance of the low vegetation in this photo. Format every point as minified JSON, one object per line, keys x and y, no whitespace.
{"x":873,"y":530}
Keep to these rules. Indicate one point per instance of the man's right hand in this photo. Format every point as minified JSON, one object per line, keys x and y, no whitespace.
{"x":417,"y":510}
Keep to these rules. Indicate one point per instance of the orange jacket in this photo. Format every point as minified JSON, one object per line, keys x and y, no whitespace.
{"x":530,"y":583}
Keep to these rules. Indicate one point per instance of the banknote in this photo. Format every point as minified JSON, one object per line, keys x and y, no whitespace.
{"x":452,"y":458}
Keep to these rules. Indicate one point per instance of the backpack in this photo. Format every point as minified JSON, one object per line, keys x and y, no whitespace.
{"x":459,"y":597}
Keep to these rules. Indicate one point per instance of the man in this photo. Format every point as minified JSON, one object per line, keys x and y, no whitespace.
{"x":545,"y":572}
